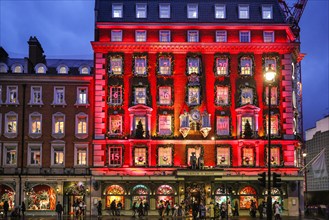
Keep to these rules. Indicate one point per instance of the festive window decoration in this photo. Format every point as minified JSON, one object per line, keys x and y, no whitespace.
{"x":115,"y":64}
{"x":274,"y":95}
{"x":140,"y":64}
{"x":7,"y":194}
{"x":141,"y":128}
{"x":140,"y":95}
{"x":194,"y":153}
{"x":276,"y":158}
{"x":140,"y":35}
{"x":115,"y":155}
{"x":184,"y":127}
{"x":271,"y":60}
{"x":115,"y":125}
{"x":247,"y":94}
{"x":165,"y":95}
{"x":140,"y":194}
{"x":165,"y":64}
{"x":165,"y":155}
{"x":114,"y":193}
{"x":193,"y":64}
{"x":75,"y":188}
{"x":193,"y":95}
{"x":205,"y":124}
{"x":192,"y":36}
{"x":247,"y":194}
{"x":165,"y":125}
{"x":223,"y":155}
{"x":140,"y":156}
{"x":115,"y":95}
{"x":41,"y":197}
{"x":274,"y":125}
{"x":246,"y":65}
{"x":248,"y":156}
{"x":223,"y":125}
{"x":222,"y":95}
{"x":247,"y":126}
{"x":165,"y":193}
{"x":221,"y":67}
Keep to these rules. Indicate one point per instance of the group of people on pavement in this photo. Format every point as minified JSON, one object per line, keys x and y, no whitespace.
{"x":16,"y":212}
{"x":115,"y":208}
{"x":140,"y":208}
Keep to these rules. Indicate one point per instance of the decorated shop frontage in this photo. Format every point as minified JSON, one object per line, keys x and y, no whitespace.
{"x":7,"y":194}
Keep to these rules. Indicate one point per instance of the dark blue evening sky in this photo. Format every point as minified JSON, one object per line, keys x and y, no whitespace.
{"x":66,"y":27}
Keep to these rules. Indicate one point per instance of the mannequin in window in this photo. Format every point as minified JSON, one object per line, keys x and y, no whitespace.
{"x":139,"y":130}
{"x":193,"y":161}
{"x":201,"y":163}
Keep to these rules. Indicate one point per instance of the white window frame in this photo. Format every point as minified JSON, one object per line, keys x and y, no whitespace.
{"x":274,"y":123}
{"x":244,"y":70}
{"x":116,"y":65}
{"x":7,"y":147}
{"x":140,"y":35}
{"x":31,"y":133}
{"x":33,"y":98}
{"x":78,"y":134}
{"x":226,"y":120}
{"x":140,"y":151}
{"x":166,"y":38}
{"x":32,"y":147}
{"x":117,"y":10}
{"x":269,"y":10}
{"x":189,"y":90}
{"x":3,"y":68}
{"x":220,"y":11}
{"x":119,"y":147}
{"x":117,"y":125}
{"x":8,"y":95}
{"x":222,"y":67}
{"x":161,"y":130}
{"x":222,"y":91}
{"x":15,"y":66}
{"x":190,"y":36}
{"x":57,"y":146}
{"x":243,"y":35}
{"x":192,"y":11}
{"x":86,"y":101}
{"x":56,"y":93}
{"x":54,"y":134}
{"x":221,"y":36}
{"x":10,"y":134}
{"x":244,"y":9}
{"x":162,"y":99}
{"x":116,"y":35}
{"x":244,"y":100}
{"x":138,"y":99}
{"x":169,"y":157}
{"x":113,"y":93}
{"x":140,"y":71}
{"x":40,"y":68}
{"x":77,"y":147}
{"x":82,"y":70}
{"x":62,"y":69}
{"x":268,"y":36}
{"x":141,"y":10}
{"x":274,"y":95}
{"x":164,"y":10}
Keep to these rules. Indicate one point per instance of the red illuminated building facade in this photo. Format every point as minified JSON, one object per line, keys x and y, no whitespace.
{"x":181,"y":102}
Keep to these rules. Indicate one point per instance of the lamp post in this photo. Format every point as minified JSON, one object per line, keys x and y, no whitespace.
{"x":269,"y":78}
{"x":305,"y":179}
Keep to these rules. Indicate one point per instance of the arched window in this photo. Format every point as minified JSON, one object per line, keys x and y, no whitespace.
{"x":40,"y":68}
{"x":247,"y":194}
{"x":140,"y":193}
{"x":221,"y":195}
{"x":3,"y":68}
{"x":41,"y":197}
{"x":114,"y":193}
{"x":7,"y":194}
{"x":165,"y":193}
{"x":84,"y":70}
{"x":17,"y":68}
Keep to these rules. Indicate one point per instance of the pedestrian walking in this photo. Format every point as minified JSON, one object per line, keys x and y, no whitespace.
{"x":59,"y":210}
{"x":23,"y":208}
{"x":6,"y":208}
{"x":99,"y":209}
{"x":113,"y":208}
{"x":236,"y":209}
{"x":119,"y":207}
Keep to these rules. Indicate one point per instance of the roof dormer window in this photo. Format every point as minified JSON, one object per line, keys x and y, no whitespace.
{"x":3,"y":68}
{"x":40,"y":68}
{"x":192,"y":11}
{"x":62,"y":69}
{"x":220,"y":11}
{"x":243,"y":11}
{"x":141,"y":10}
{"x":164,"y":10}
{"x":84,"y":70}
{"x":17,"y":68}
{"x":267,"y":12}
{"x":117,"y":10}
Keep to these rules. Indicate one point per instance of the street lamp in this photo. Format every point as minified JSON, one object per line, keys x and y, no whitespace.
{"x":305,"y":179}
{"x":269,"y":78}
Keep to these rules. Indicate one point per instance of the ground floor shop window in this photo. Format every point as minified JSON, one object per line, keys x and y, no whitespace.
{"x":74,"y":196}
{"x":165,"y":193}
{"x":247,"y":194}
{"x":114,"y":193}
{"x":41,"y":197}
{"x":276,"y":195}
{"x":140,"y":194}
{"x":7,"y":194}
{"x":221,"y":195}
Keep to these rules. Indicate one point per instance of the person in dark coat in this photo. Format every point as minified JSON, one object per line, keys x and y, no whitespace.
{"x":23,"y":208}
{"x":146,"y":208}
{"x":99,"y":208}
{"x":119,"y":207}
{"x":113,"y":207}
{"x":5,"y":208}
{"x":59,"y":210}
{"x":195,"y":210}
{"x":236,"y":209}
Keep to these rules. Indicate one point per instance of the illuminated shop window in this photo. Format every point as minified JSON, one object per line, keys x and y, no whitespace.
{"x":193,"y":36}
{"x":268,"y":36}
{"x":116,"y":35}
{"x":140,"y":35}
{"x":115,"y":125}
{"x":223,"y":125}
{"x":164,"y":156}
{"x":140,"y":156}
{"x":57,"y":152}
{"x":222,"y":95}
{"x":59,"y":96}
{"x":82,"y":95}
{"x":275,"y":155}
{"x":35,"y":123}
{"x":141,"y":10}
{"x":193,"y":65}
{"x":274,"y":95}
{"x":165,"y":95}
{"x":165,"y":125}
{"x":10,"y":154}
{"x":223,"y":156}
{"x":221,"y":36}
{"x":41,"y":197}
{"x":244,"y":36}
{"x":193,"y":95}
{"x":11,"y":119}
{"x":221,"y":195}
{"x":165,"y":65}
{"x":165,"y":193}
{"x":274,"y":125}
{"x":115,"y":155}
{"x":34,"y":155}
{"x":140,"y":66}
{"x":247,"y":194}
{"x":116,"y":65}
{"x":36,"y":95}
{"x":115,"y":96}
{"x":270,"y":62}
{"x":164,"y":10}
{"x":140,"y":95}
{"x":221,"y":66}
{"x":140,"y":194}
{"x":192,"y":10}
{"x":267,"y":12}
{"x":117,"y":10}
{"x":220,"y":11}
{"x":114,"y":193}
{"x":12,"y":95}
{"x":8,"y":193}
{"x":243,"y":11}
{"x":248,"y":156}
{"x":247,"y":96}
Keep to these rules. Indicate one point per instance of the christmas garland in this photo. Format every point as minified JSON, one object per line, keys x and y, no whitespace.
{"x":222,"y":56}
{"x":281,"y":155}
{"x":115,"y":82}
{"x":166,"y":112}
{"x":172,"y":154}
{"x":140,"y":55}
{"x":276,"y":112}
{"x":247,"y":55}
{"x":194,"y":55}
{"x":277,"y":59}
{"x":245,"y":84}
{"x":115,"y":55}
{"x":140,"y":158}
{"x":247,"y":159}
{"x":194,"y":99}
{"x":225,"y":83}
{"x":166,"y":55}
{"x":223,"y":158}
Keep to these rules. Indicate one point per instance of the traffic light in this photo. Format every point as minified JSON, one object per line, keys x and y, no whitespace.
{"x":262,"y":179}
{"x":277,"y":180}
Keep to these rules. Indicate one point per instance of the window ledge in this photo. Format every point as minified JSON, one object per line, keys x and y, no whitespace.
{"x":81,"y":136}
{"x":9,"y":103}
{"x":56,"y":104}
{"x":35,"y":135}
{"x":81,"y":105}
{"x":35,"y":104}
{"x":10,"y":135}
{"x":58,"y":136}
